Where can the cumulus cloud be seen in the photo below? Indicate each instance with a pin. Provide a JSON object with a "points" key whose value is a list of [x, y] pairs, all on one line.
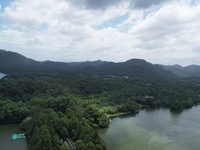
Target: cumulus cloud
{"points": [[96, 4], [146, 3], [172, 31], [66, 30]]}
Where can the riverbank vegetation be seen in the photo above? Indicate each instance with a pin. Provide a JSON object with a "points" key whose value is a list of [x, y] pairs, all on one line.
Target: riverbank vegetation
{"points": [[51, 108]]}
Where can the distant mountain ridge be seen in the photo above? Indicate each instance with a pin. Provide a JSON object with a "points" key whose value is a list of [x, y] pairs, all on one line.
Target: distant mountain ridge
{"points": [[12, 58], [87, 63], [14, 61], [138, 68], [188, 71]]}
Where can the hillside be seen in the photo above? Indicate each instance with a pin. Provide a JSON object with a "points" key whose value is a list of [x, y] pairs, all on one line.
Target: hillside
{"points": [[188, 71], [57, 100], [10, 61], [13, 62], [133, 68]]}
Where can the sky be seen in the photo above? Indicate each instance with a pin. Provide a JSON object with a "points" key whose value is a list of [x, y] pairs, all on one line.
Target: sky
{"points": [[159, 31]]}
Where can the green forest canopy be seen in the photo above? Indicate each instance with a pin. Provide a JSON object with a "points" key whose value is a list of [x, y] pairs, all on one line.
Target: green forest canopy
{"points": [[57, 107]]}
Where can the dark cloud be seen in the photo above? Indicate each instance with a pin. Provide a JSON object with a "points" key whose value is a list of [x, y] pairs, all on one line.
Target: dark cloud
{"points": [[96, 4], [146, 3], [104, 4]]}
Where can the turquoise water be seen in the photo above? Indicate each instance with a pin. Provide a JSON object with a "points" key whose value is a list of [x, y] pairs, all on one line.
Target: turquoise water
{"points": [[155, 130], [6, 143]]}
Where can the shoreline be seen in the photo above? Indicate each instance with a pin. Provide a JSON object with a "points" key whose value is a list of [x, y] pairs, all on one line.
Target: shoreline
{"points": [[121, 114]]}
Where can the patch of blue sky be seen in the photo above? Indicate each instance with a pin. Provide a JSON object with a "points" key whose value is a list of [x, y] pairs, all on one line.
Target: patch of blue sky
{"points": [[149, 12], [1, 27], [113, 22], [43, 27], [145, 15], [6, 25], [3, 24], [124, 27], [5, 3], [193, 2]]}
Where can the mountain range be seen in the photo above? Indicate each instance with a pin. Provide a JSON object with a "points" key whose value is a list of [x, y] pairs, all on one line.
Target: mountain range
{"points": [[191, 70], [11, 62]]}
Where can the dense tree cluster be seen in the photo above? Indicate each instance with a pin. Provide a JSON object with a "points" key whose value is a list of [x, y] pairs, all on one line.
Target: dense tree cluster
{"points": [[55, 108], [13, 112]]}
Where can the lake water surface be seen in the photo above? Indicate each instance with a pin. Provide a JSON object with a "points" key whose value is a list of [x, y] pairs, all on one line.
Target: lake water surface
{"points": [[157, 129], [2, 75], [6, 142]]}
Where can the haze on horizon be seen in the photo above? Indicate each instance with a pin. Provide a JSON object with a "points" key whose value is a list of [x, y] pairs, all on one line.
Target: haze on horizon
{"points": [[159, 31]]}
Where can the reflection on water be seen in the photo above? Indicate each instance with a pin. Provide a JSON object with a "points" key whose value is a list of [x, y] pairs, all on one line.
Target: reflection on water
{"points": [[155, 130]]}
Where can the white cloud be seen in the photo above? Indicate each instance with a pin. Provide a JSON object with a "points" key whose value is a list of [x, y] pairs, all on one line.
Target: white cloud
{"points": [[62, 31], [173, 30]]}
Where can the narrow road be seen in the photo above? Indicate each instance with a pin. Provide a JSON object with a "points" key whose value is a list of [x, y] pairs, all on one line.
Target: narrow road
{"points": [[70, 143]]}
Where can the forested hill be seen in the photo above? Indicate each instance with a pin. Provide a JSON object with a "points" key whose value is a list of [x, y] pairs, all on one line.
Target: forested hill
{"points": [[11, 62], [57, 100], [191, 70]]}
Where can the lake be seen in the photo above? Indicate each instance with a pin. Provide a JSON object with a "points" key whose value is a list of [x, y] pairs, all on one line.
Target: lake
{"points": [[157, 129], [2, 75], [6, 142]]}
